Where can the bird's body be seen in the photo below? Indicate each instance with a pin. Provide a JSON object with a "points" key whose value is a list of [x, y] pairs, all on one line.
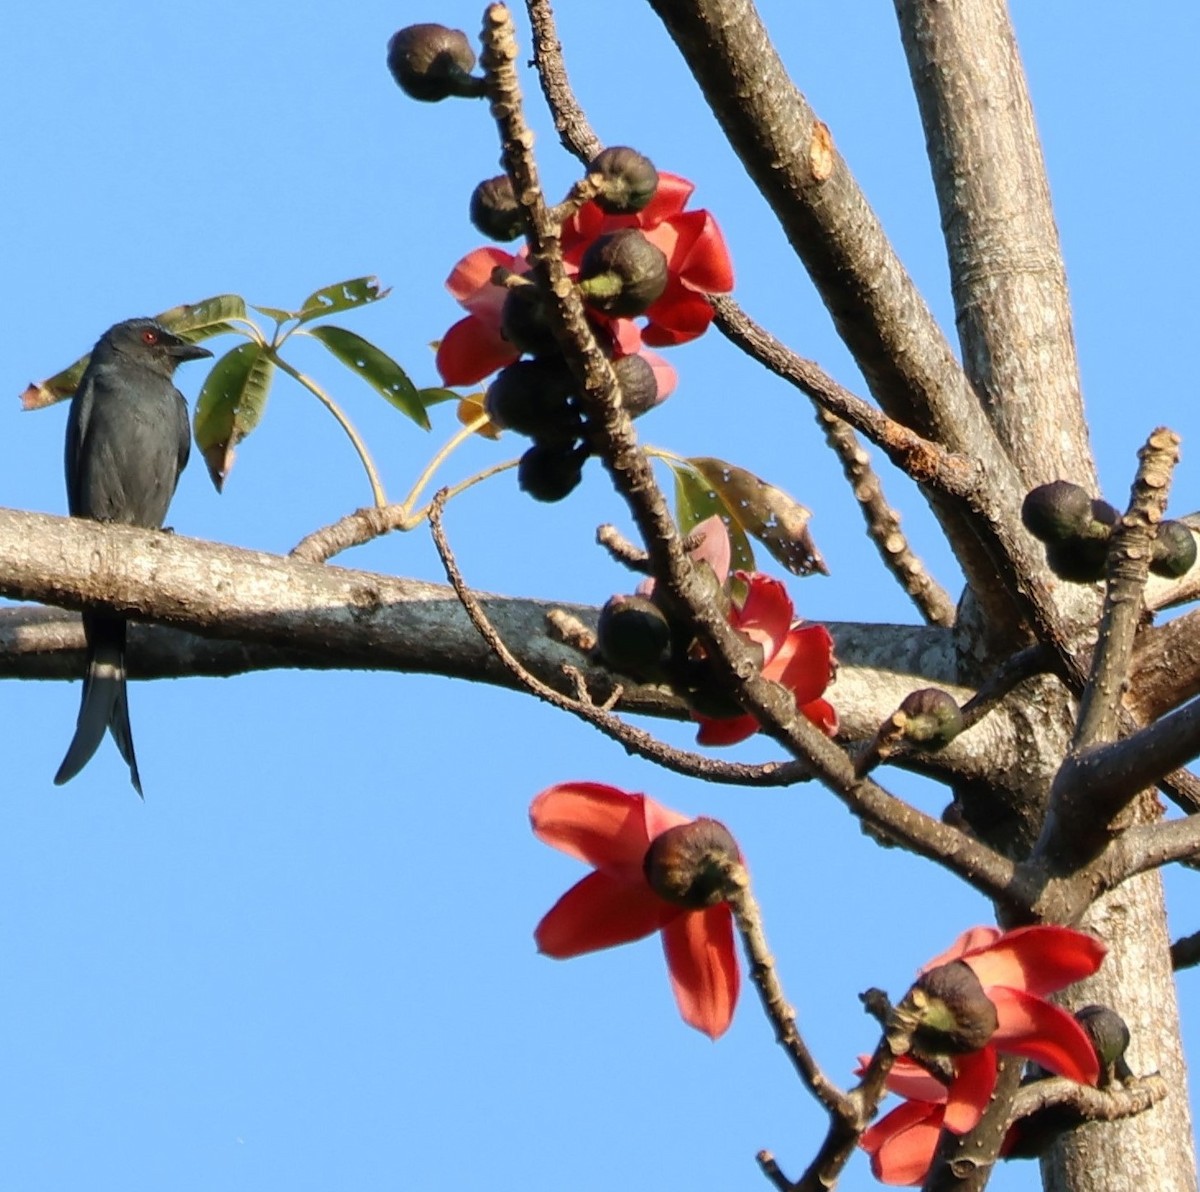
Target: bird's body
{"points": [[127, 442]]}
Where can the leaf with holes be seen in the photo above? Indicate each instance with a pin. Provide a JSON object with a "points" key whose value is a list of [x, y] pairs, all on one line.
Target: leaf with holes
{"points": [[695, 500], [194, 321], [375, 367], [231, 405], [344, 296], [776, 519]]}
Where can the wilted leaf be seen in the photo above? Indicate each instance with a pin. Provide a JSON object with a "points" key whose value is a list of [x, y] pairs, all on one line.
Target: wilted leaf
{"points": [[343, 296], [696, 499], [230, 406], [778, 521], [194, 321], [469, 409], [375, 367]]}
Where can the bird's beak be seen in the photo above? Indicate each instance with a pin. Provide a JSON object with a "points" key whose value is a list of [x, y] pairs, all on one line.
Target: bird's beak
{"points": [[182, 350]]}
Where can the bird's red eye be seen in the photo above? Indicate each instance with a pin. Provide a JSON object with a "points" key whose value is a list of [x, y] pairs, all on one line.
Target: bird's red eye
{"points": [[149, 337]]}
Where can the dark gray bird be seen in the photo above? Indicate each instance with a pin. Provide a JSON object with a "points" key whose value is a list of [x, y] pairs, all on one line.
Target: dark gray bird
{"points": [[127, 442]]}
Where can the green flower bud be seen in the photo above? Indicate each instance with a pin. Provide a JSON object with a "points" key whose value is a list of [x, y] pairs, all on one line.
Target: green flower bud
{"points": [[628, 180], [533, 397], [1174, 550], [523, 321], [639, 385], [622, 273], [1057, 511], [958, 1016], [932, 718]]}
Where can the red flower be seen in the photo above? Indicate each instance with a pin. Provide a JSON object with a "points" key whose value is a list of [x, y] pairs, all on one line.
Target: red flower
{"points": [[801, 659], [1016, 968], [697, 260], [474, 348], [611, 830]]}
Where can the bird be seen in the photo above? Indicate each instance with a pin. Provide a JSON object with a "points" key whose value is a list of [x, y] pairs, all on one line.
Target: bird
{"points": [[127, 442]]}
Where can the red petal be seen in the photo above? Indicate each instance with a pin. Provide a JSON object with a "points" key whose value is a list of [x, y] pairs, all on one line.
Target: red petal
{"points": [[971, 939], [1039, 960], [678, 317], [909, 1080], [599, 912], [695, 251], [974, 1080], [702, 961], [600, 825], [474, 271], [823, 714], [803, 663], [669, 199], [724, 730], [765, 614], [470, 351], [902, 1143], [1044, 1033]]}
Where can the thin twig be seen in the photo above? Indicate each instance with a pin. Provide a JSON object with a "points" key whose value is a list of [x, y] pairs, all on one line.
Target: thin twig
{"points": [[883, 523], [1085, 1103], [748, 918], [635, 740]]}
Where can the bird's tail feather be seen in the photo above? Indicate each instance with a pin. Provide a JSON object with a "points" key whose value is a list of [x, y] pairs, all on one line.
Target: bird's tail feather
{"points": [[104, 703]]}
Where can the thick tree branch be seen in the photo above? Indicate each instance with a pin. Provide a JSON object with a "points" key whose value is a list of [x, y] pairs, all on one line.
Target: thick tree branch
{"points": [[1006, 265]]}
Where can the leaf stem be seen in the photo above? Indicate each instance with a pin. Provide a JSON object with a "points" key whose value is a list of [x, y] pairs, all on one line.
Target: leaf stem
{"points": [[442, 455], [356, 440]]}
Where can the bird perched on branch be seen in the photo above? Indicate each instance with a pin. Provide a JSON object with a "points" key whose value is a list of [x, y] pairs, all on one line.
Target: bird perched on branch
{"points": [[127, 442]]}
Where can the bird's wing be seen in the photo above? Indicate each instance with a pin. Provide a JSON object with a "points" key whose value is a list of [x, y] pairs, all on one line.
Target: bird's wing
{"points": [[185, 433], [77, 429]]}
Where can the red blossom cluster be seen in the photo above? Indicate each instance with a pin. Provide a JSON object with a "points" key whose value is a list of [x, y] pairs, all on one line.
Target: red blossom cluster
{"points": [[698, 263]]}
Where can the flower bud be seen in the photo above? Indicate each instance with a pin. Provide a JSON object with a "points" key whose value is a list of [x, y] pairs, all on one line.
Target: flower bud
{"points": [[533, 397], [958, 1016], [627, 178], [1174, 550], [1057, 511], [494, 209], [1078, 560], [639, 385], [622, 273], [431, 62], [523, 321], [932, 718], [551, 471], [633, 636], [1108, 1033], [688, 864]]}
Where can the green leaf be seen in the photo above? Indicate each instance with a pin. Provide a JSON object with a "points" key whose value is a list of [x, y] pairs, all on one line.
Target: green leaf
{"points": [[696, 499], [202, 320], [194, 321], [230, 406], [273, 312], [375, 367], [772, 516], [435, 395], [343, 296]]}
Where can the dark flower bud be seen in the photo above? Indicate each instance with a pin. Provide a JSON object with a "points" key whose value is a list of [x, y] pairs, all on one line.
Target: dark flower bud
{"points": [[533, 397], [431, 62], [627, 178], [688, 864], [932, 718], [957, 1016], [622, 273], [1079, 560], [1174, 550], [1104, 517], [494, 209], [1057, 511], [639, 385], [523, 321], [633, 635], [1108, 1033], [551, 471]]}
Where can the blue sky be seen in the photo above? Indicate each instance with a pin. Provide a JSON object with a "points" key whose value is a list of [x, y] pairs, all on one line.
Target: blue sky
{"points": [[305, 961]]}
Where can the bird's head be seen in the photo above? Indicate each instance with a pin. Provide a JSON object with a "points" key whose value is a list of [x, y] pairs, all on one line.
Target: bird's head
{"points": [[151, 344]]}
